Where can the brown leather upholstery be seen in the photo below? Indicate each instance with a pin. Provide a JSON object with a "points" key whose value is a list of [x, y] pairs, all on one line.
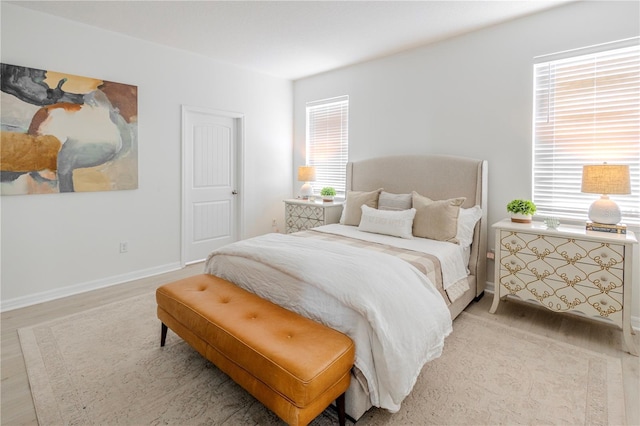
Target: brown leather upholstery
{"points": [[293, 365]]}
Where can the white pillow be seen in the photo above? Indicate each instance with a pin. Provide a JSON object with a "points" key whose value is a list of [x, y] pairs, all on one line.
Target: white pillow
{"points": [[387, 222], [389, 201], [467, 220]]}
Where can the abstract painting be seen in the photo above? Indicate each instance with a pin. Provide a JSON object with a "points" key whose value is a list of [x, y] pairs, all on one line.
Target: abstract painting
{"points": [[66, 133]]}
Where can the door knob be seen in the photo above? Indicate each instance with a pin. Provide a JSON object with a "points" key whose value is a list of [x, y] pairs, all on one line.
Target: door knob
{"points": [[234, 192]]}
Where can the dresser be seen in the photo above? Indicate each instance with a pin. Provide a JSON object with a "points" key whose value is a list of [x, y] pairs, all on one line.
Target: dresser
{"points": [[304, 214], [568, 270]]}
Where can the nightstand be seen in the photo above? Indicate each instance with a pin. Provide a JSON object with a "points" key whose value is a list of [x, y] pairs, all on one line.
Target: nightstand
{"points": [[568, 270], [304, 214]]}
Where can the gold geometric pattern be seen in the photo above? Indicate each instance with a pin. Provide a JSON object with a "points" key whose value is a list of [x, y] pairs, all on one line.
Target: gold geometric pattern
{"points": [[563, 274]]}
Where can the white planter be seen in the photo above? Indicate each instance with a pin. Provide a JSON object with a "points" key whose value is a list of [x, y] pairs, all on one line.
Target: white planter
{"points": [[521, 218]]}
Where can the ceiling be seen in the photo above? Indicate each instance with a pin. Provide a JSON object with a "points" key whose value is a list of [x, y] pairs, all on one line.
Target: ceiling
{"points": [[291, 39]]}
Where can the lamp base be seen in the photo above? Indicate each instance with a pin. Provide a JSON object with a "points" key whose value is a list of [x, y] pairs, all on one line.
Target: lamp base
{"points": [[306, 191], [605, 211]]}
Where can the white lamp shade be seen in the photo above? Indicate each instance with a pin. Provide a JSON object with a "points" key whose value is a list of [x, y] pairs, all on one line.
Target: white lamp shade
{"points": [[606, 179], [306, 173]]}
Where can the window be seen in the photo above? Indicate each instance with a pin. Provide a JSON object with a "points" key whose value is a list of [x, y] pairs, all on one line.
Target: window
{"points": [[327, 144], [586, 111]]}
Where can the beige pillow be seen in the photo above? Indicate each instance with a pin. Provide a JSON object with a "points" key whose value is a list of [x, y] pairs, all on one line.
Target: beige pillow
{"points": [[436, 220], [352, 212]]}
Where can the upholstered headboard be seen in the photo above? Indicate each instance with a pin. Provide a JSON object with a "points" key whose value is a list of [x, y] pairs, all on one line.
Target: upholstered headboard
{"points": [[438, 177]]}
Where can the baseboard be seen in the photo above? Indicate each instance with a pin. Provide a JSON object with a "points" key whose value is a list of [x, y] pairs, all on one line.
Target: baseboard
{"points": [[635, 320], [46, 296]]}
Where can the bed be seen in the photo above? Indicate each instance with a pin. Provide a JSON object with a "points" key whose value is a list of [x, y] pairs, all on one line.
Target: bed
{"points": [[394, 294]]}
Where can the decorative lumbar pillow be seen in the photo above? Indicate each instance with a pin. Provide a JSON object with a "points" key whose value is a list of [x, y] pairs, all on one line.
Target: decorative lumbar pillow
{"points": [[466, 224], [387, 222], [436, 220], [389, 201], [351, 212]]}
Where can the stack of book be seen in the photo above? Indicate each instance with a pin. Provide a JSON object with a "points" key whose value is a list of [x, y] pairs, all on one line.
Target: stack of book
{"points": [[619, 228]]}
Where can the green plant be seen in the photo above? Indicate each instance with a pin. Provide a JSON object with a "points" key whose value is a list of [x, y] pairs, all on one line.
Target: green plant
{"points": [[328, 191], [525, 207]]}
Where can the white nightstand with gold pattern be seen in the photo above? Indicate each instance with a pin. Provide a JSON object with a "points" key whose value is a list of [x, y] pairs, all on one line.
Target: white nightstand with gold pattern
{"points": [[303, 214], [568, 269]]}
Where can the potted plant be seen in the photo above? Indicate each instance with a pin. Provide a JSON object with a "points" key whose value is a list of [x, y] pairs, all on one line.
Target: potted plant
{"points": [[521, 210], [327, 193]]}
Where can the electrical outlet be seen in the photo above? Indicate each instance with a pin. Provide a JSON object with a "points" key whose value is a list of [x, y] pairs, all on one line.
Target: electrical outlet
{"points": [[124, 246], [491, 255]]}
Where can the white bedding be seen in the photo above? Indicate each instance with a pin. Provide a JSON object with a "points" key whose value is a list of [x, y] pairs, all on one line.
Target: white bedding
{"points": [[451, 256], [394, 314]]}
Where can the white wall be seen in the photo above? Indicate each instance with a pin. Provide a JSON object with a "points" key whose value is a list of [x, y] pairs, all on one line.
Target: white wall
{"points": [[470, 96], [53, 245]]}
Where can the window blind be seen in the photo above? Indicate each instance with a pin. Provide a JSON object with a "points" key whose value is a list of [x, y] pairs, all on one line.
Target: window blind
{"points": [[586, 111], [327, 143]]}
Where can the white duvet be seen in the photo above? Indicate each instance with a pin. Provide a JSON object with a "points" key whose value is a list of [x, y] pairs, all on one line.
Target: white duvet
{"points": [[451, 256], [395, 316]]}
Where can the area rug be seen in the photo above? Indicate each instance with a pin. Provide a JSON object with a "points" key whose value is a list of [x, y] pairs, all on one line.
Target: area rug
{"points": [[105, 366]]}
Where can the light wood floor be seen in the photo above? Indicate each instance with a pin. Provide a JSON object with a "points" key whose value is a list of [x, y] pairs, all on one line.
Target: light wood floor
{"points": [[17, 406]]}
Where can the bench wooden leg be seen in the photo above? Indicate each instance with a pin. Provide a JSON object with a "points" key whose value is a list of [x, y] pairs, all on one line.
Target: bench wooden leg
{"points": [[163, 335], [341, 410]]}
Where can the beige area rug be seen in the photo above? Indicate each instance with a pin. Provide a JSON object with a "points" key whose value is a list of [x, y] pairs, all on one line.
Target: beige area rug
{"points": [[105, 366]]}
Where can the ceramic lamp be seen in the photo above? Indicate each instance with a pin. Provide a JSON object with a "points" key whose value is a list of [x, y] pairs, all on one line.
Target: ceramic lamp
{"points": [[605, 179], [306, 174]]}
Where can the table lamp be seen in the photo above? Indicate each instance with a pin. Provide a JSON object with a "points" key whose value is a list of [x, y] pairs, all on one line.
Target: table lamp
{"points": [[306, 174], [605, 179]]}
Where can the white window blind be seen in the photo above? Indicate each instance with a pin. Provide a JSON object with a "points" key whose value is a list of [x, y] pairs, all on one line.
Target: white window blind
{"points": [[586, 111], [327, 143]]}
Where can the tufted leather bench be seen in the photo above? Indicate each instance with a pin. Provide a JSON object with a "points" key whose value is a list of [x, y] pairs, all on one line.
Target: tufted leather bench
{"points": [[294, 366]]}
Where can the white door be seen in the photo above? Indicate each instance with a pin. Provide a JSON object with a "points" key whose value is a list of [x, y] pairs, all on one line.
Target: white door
{"points": [[210, 192]]}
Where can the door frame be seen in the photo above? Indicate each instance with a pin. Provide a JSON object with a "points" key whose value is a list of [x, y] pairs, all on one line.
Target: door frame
{"points": [[238, 119]]}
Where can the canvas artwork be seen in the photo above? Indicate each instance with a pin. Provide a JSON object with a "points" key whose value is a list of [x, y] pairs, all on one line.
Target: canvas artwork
{"points": [[66, 133]]}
